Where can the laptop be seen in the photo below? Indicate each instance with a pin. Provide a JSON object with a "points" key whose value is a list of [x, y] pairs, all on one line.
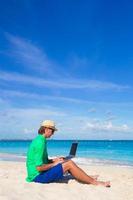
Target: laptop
{"points": [[72, 152]]}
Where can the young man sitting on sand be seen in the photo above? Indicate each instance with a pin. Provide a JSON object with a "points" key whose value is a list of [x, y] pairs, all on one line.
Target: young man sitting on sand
{"points": [[40, 169]]}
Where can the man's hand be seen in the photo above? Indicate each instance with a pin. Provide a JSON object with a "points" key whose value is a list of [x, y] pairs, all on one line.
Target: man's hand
{"points": [[54, 162], [58, 160]]}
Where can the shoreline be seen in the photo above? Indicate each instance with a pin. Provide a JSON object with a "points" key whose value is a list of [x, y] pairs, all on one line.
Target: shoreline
{"points": [[12, 157], [14, 186], [79, 160]]}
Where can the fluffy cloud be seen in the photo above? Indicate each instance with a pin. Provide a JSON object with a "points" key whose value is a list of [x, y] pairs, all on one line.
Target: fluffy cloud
{"points": [[33, 57], [29, 54], [107, 126], [60, 83], [24, 122]]}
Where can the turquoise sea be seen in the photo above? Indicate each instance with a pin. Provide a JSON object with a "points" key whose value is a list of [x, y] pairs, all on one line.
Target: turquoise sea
{"points": [[118, 152]]}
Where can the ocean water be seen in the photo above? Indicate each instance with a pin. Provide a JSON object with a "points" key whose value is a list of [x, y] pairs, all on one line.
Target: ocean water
{"points": [[118, 152]]}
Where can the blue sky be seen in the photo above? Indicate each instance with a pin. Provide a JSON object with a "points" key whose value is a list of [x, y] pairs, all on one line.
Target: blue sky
{"points": [[69, 61]]}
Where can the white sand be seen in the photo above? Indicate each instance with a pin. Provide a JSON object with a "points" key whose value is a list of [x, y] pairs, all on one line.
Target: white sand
{"points": [[14, 187]]}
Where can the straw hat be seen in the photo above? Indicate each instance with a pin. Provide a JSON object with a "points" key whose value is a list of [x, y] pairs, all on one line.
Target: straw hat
{"points": [[49, 124]]}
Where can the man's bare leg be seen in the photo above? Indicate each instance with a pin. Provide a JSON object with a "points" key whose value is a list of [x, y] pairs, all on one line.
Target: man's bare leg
{"points": [[80, 175]]}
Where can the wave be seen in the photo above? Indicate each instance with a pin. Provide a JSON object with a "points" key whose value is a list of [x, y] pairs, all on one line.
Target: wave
{"points": [[94, 161], [77, 160]]}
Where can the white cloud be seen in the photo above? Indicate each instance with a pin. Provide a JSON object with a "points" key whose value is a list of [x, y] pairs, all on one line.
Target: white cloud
{"points": [[24, 122], [30, 55], [60, 83], [34, 58], [7, 94], [107, 127], [23, 113]]}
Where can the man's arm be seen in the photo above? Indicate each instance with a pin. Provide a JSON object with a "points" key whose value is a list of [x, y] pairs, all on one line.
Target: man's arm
{"points": [[45, 167]]}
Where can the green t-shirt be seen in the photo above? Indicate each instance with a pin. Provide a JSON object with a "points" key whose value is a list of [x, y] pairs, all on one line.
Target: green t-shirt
{"points": [[37, 155]]}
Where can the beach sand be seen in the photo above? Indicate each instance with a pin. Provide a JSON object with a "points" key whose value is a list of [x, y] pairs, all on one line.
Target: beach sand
{"points": [[13, 185]]}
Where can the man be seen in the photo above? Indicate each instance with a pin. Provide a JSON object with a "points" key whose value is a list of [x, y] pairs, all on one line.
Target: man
{"points": [[43, 170]]}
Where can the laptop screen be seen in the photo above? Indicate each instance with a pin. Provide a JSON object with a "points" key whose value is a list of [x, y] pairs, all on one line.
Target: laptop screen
{"points": [[73, 149]]}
